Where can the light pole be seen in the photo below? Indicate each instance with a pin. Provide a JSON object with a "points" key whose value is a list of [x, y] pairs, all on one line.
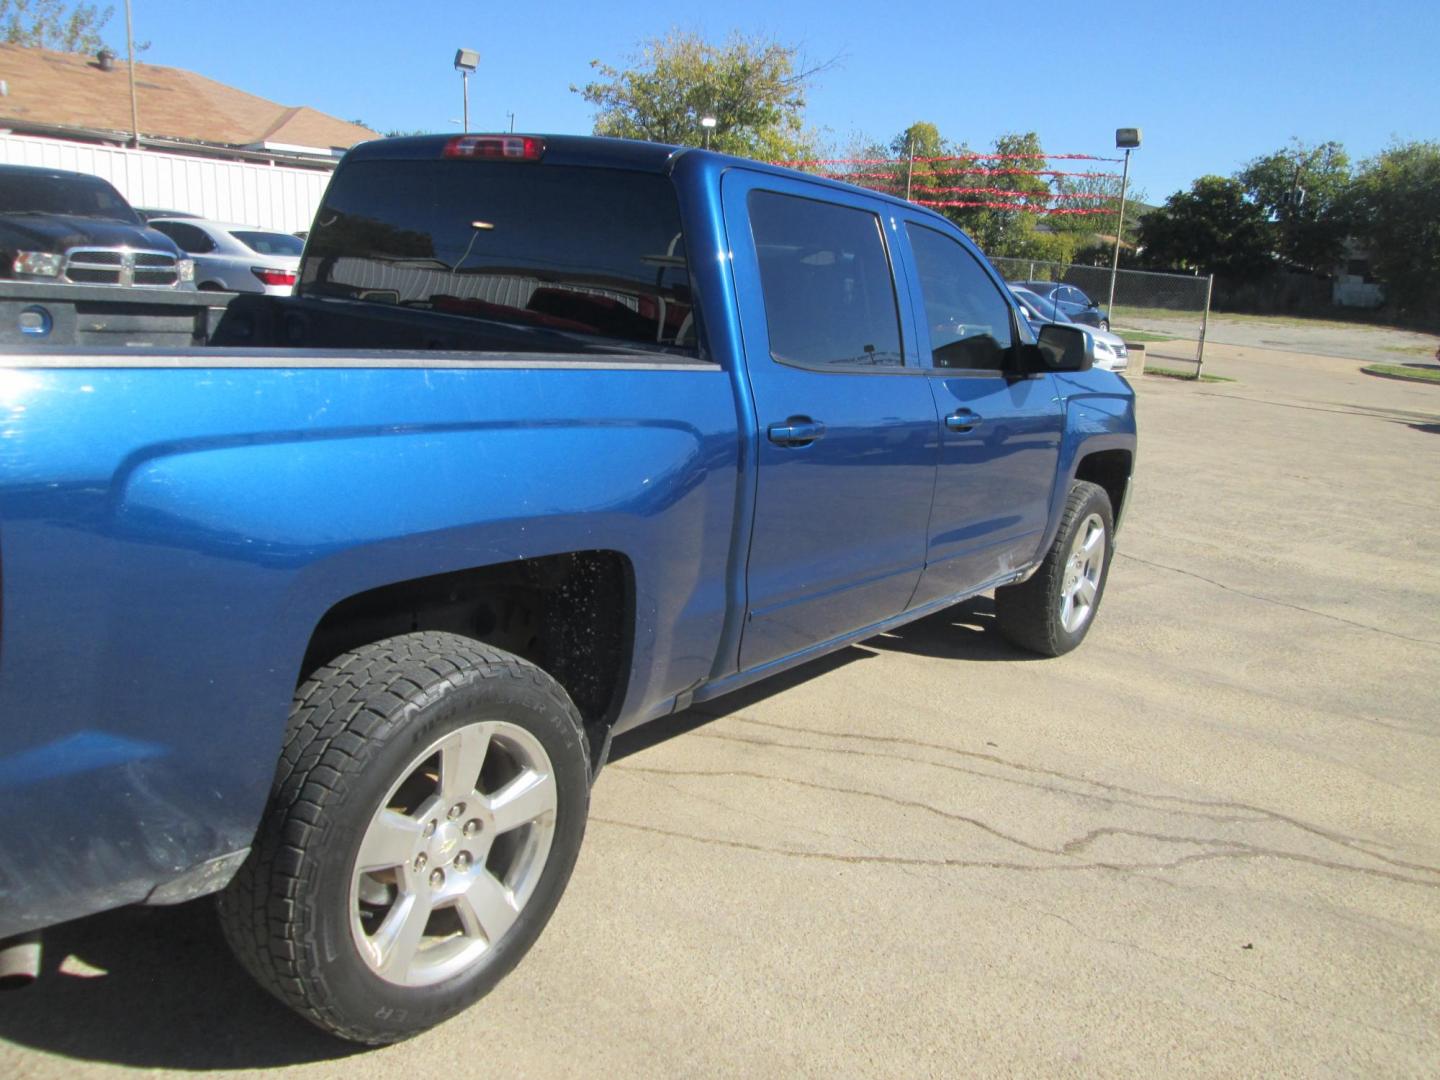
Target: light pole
{"points": [[1126, 139], [708, 123], [466, 61]]}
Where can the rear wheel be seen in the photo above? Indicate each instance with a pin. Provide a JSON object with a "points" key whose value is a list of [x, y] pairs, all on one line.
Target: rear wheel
{"points": [[1052, 612], [429, 807], [1104, 324]]}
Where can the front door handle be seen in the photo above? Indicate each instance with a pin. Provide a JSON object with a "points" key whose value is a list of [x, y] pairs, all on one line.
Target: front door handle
{"points": [[797, 431], [962, 420]]}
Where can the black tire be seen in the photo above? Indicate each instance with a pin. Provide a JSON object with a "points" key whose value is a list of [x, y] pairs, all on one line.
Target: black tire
{"points": [[1030, 613], [1104, 324], [356, 728]]}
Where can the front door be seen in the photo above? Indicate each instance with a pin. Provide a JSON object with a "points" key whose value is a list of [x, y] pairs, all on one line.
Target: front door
{"points": [[1000, 435], [848, 433]]}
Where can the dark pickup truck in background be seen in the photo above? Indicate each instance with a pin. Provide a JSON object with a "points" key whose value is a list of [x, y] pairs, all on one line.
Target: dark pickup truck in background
{"points": [[69, 228], [333, 603]]}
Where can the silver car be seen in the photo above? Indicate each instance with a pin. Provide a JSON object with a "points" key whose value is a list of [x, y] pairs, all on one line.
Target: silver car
{"points": [[1106, 350], [236, 258]]}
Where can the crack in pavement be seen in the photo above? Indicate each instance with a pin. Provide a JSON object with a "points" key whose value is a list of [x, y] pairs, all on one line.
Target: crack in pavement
{"points": [[1280, 603], [1070, 848], [1395, 416], [1203, 806]]}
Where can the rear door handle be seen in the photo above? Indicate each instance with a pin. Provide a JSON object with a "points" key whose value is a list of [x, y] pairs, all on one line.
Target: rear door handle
{"points": [[797, 431], [962, 420]]}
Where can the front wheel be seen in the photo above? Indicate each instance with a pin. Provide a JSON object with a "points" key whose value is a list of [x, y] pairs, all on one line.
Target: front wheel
{"points": [[425, 818], [1105, 324], [1051, 612]]}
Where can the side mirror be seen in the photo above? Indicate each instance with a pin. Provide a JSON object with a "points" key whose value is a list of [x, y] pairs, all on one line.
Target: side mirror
{"points": [[1092, 305], [1061, 348]]}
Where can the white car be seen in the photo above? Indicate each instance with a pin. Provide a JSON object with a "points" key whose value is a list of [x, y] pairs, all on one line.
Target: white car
{"points": [[236, 258], [1106, 350]]}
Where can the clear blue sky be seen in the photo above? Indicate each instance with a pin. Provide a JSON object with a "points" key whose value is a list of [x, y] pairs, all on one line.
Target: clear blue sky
{"points": [[1212, 84]]}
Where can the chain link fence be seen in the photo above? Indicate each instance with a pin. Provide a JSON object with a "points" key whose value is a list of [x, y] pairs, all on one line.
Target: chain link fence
{"points": [[1167, 313]]}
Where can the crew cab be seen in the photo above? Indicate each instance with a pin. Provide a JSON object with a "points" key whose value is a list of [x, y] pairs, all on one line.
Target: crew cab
{"points": [[333, 603], [72, 228]]}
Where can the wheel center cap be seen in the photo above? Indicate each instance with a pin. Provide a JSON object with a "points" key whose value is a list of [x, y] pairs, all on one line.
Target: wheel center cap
{"points": [[445, 843]]}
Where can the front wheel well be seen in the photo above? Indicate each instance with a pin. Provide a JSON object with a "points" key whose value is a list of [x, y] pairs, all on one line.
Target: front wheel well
{"points": [[1110, 469], [572, 615]]}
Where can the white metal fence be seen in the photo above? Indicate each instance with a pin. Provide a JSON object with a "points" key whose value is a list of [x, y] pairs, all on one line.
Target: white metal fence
{"points": [[269, 196], [1168, 313]]}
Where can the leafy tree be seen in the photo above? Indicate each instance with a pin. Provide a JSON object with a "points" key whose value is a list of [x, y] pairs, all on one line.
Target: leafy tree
{"points": [[1303, 189], [1008, 233], [753, 87], [1396, 207], [54, 24], [1214, 228]]}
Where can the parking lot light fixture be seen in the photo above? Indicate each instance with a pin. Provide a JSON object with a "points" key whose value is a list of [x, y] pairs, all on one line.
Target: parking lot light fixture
{"points": [[466, 61], [708, 123], [1126, 139]]}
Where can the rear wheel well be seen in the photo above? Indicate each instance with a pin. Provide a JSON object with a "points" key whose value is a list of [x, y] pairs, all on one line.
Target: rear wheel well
{"points": [[571, 615], [1110, 469]]}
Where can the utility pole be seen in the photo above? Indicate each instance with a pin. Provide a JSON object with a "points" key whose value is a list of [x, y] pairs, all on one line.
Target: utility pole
{"points": [[134, 108]]}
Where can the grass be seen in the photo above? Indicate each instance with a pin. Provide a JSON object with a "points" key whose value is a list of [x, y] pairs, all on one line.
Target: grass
{"points": [[1397, 371], [1171, 373], [1409, 350], [1144, 335], [1124, 313]]}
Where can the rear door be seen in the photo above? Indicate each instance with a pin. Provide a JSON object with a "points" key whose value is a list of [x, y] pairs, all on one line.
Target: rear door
{"points": [[848, 433], [1000, 435]]}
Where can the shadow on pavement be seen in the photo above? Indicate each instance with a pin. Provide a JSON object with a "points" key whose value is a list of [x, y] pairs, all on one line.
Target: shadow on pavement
{"points": [[964, 632], [156, 988]]}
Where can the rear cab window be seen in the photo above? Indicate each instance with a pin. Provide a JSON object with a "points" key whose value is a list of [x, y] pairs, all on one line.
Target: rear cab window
{"points": [[595, 252]]}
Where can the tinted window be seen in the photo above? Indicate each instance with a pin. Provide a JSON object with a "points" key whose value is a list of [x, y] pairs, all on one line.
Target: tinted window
{"points": [[589, 251], [825, 275], [191, 240], [969, 319], [63, 193], [270, 243]]}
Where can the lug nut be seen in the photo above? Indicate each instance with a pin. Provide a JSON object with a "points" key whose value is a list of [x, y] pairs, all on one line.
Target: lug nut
{"points": [[472, 826], [420, 861], [429, 828], [437, 878], [462, 861], [456, 811]]}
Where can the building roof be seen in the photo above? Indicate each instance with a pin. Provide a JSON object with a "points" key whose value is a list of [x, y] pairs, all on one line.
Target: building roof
{"points": [[55, 89]]}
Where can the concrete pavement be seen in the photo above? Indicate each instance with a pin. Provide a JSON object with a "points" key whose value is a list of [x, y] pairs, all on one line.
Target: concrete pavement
{"points": [[1207, 843]]}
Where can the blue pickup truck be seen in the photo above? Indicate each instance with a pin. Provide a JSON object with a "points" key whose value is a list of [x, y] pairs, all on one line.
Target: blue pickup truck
{"points": [[331, 604]]}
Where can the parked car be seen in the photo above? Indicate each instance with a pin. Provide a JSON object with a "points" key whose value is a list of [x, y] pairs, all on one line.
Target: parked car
{"points": [[75, 229], [1071, 300], [236, 258], [338, 608], [1107, 350]]}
